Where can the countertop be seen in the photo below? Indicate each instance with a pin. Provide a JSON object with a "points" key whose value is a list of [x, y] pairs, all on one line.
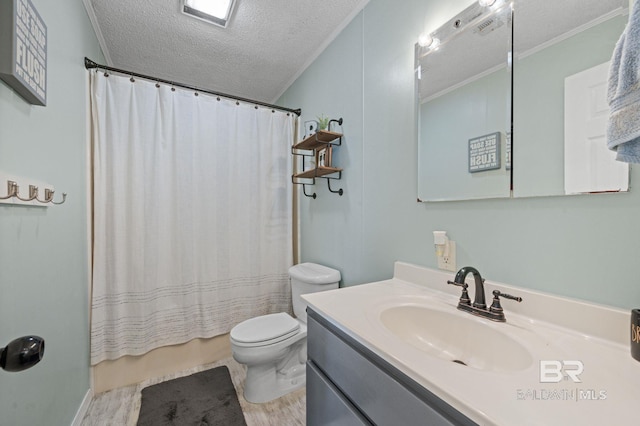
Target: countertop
{"points": [[551, 328]]}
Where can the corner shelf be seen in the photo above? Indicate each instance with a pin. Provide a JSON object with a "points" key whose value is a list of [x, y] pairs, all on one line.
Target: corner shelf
{"points": [[311, 146]]}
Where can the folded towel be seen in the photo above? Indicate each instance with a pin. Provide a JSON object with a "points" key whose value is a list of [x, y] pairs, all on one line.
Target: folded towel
{"points": [[623, 127]]}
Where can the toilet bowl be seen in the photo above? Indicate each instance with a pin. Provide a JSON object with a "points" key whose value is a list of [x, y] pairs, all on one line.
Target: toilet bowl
{"points": [[274, 346]]}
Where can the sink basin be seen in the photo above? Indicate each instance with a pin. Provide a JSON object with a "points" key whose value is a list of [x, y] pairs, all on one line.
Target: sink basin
{"points": [[453, 337]]}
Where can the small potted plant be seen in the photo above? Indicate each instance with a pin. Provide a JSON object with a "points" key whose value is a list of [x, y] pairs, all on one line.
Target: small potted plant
{"points": [[323, 122]]}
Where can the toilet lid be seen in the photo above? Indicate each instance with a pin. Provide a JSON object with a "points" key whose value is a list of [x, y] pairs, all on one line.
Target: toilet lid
{"points": [[264, 329]]}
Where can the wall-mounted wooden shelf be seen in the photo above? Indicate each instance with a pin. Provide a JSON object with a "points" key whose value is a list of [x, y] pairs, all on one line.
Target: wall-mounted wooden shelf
{"points": [[321, 143], [319, 140], [317, 172]]}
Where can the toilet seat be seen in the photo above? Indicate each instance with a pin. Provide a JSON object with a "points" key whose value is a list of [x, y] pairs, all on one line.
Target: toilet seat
{"points": [[265, 330]]}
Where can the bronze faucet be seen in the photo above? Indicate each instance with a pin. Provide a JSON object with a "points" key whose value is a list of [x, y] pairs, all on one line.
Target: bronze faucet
{"points": [[479, 306]]}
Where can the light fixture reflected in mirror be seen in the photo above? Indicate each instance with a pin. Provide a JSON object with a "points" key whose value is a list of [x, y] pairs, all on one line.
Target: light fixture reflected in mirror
{"points": [[22, 353], [486, 3], [425, 40], [428, 41]]}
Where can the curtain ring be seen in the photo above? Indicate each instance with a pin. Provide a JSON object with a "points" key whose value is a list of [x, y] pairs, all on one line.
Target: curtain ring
{"points": [[157, 85], [195, 93], [106, 74], [218, 98], [133, 80]]}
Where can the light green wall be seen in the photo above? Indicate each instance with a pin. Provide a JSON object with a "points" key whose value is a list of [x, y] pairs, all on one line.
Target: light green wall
{"points": [[333, 87], [43, 252], [581, 246]]}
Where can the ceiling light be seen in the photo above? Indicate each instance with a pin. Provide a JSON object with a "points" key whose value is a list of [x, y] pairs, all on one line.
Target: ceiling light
{"points": [[486, 2], [217, 12]]}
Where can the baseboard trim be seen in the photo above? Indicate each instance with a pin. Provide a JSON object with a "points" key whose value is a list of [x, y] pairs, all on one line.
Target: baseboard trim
{"points": [[82, 410]]}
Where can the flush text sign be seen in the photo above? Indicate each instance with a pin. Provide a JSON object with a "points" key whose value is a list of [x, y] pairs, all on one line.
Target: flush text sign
{"points": [[23, 50], [484, 153]]}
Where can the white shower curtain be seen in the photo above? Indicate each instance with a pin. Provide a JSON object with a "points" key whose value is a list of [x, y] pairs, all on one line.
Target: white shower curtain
{"points": [[192, 215]]}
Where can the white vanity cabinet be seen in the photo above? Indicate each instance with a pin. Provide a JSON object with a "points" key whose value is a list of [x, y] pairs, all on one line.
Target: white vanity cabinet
{"points": [[348, 384]]}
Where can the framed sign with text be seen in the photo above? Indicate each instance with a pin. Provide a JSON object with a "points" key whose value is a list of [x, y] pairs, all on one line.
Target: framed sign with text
{"points": [[484, 153], [23, 50]]}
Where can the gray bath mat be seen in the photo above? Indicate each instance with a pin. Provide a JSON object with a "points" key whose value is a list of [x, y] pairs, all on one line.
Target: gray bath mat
{"points": [[205, 398]]}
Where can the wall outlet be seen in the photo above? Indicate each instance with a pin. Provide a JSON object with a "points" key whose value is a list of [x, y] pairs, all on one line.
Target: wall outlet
{"points": [[448, 262]]}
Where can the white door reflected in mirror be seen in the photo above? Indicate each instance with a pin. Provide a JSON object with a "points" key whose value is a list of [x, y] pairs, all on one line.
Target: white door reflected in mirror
{"points": [[588, 165]]}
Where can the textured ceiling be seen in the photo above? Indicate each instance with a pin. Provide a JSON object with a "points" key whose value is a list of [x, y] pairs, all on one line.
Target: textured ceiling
{"points": [[266, 45]]}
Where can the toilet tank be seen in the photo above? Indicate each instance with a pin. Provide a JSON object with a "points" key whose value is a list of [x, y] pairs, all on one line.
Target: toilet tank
{"points": [[310, 278]]}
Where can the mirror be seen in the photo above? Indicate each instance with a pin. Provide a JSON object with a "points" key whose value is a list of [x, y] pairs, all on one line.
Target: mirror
{"points": [[464, 90], [562, 51], [464, 94]]}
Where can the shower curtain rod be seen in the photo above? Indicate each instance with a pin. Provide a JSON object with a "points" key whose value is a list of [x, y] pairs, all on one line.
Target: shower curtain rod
{"points": [[89, 64]]}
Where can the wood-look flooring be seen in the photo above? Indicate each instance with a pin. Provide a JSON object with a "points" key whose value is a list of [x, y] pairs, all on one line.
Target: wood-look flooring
{"points": [[120, 407]]}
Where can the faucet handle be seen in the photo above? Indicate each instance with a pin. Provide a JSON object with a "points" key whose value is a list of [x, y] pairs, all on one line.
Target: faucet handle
{"points": [[496, 308], [497, 293], [464, 297]]}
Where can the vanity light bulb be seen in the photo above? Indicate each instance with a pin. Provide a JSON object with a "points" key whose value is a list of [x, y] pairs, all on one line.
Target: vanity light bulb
{"points": [[486, 3], [425, 40]]}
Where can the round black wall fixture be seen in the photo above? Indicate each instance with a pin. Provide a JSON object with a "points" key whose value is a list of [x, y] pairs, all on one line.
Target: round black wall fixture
{"points": [[22, 353]]}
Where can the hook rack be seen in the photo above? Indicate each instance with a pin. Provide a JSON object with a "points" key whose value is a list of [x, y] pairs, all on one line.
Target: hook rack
{"points": [[14, 197], [314, 144]]}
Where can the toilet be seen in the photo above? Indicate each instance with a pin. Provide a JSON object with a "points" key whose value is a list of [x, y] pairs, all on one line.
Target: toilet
{"points": [[274, 346]]}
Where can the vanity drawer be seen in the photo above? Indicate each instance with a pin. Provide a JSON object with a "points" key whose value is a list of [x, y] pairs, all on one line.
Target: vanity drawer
{"points": [[326, 406], [381, 392]]}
